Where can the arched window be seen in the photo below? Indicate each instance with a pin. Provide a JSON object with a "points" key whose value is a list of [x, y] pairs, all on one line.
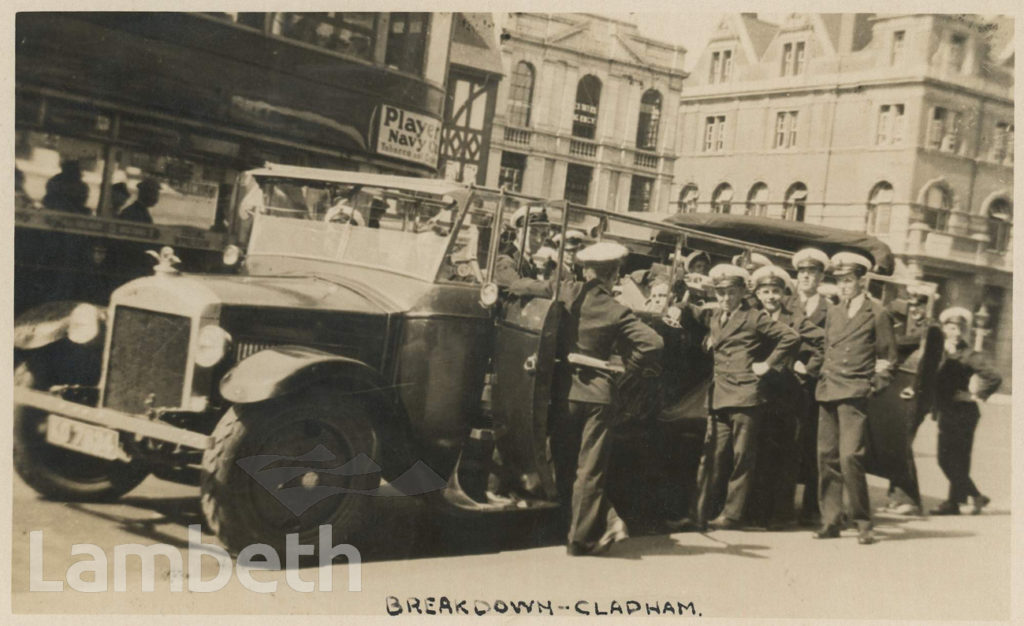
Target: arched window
{"points": [[588, 99], [721, 200], [520, 95], [650, 117], [757, 199], [879, 209], [688, 199], [796, 202], [1000, 221], [938, 202]]}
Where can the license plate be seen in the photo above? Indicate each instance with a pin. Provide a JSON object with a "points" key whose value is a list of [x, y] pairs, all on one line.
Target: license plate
{"points": [[85, 438]]}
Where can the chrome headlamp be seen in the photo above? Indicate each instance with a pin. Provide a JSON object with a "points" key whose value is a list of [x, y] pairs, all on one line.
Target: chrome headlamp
{"points": [[211, 345]]}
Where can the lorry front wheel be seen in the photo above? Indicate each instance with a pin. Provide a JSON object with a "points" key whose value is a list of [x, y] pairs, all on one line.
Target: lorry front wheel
{"points": [[58, 473], [288, 466]]}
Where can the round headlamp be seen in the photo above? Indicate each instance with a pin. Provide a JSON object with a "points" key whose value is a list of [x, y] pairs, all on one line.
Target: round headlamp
{"points": [[84, 323], [211, 345], [488, 295], [232, 255]]}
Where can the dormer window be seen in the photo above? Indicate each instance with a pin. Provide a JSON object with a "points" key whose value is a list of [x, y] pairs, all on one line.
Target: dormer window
{"points": [[957, 48], [794, 58], [721, 66]]}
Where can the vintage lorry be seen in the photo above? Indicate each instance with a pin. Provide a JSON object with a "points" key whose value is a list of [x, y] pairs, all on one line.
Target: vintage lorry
{"points": [[356, 346]]}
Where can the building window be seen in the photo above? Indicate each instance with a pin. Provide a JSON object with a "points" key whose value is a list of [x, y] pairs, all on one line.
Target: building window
{"points": [[407, 42], [757, 200], [944, 130], [1002, 143], [577, 183], [785, 129], [957, 46], [640, 193], [716, 64], [513, 166], [349, 33], [890, 125], [897, 47], [879, 209], [650, 116], [796, 202], [726, 65], [520, 95], [938, 203], [714, 133], [721, 199], [1000, 221], [794, 59], [688, 199], [588, 99]]}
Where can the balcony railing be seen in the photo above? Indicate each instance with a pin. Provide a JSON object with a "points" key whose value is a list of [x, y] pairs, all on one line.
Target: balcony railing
{"points": [[521, 136], [643, 159], [582, 148]]}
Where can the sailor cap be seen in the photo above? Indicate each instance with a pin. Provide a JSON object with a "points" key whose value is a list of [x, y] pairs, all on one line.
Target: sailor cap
{"points": [[536, 212], [602, 252], [849, 262], [810, 257], [956, 314], [771, 275], [727, 275], [574, 239], [755, 261]]}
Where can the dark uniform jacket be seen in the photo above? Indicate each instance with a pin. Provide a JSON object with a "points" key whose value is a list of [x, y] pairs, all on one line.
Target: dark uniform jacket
{"points": [[909, 334], [606, 327], [748, 336], [817, 316], [852, 347], [781, 383], [135, 212], [954, 374]]}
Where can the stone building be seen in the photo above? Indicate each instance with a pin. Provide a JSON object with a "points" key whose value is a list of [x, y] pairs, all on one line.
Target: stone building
{"points": [[587, 112], [897, 125]]}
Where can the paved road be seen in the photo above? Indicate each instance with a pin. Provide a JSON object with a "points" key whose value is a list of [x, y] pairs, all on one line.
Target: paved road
{"points": [[948, 568]]}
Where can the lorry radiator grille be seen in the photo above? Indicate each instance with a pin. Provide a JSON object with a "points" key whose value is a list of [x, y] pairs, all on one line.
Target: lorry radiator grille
{"points": [[245, 348], [148, 355]]}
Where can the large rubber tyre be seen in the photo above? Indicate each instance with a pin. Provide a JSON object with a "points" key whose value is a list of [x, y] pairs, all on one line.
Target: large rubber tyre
{"points": [[58, 473], [241, 511]]}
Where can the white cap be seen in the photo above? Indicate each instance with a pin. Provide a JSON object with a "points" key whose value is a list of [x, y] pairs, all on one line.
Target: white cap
{"points": [[574, 239], [756, 260], [602, 252], [545, 253], [957, 314], [537, 214], [810, 257], [771, 275], [725, 275], [693, 256], [847, 262]]}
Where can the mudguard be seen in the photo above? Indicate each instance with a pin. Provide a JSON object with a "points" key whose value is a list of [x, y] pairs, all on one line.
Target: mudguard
{"points": [[283, 370]]}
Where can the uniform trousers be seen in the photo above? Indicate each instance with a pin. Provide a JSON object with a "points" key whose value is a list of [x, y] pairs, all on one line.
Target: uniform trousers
{"points": [[957, 422], [775, 474], [904, 488], [727, 464], [842, 447], [807, 444], [580, 448]]}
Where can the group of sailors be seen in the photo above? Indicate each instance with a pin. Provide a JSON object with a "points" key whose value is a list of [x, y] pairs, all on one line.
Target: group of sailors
{"points": [[793, 372]]}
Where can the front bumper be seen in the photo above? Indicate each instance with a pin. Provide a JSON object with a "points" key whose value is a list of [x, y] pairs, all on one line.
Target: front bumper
{"points": [[125, 422]]}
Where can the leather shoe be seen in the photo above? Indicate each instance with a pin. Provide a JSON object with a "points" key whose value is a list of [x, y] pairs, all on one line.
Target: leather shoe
{"points": [[979, 502], [684, 525], [724, 523], [865, 536], [946, 508], [830, 531]]}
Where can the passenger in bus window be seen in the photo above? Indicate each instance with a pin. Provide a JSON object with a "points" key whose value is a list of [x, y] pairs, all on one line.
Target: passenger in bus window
{"points": [[67, 191], [119, 196], [138, 211]]}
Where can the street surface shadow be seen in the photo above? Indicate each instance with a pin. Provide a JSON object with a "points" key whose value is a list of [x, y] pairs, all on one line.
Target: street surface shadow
{"points": [[179, 511], [664, 545]]}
